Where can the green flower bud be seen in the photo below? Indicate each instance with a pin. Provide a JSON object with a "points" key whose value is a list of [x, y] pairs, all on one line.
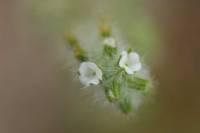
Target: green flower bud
{"points": [[72, 40], [105, 31], [109, 95], [116, 90], [110, 51], [80, 54], [138, 84], [113, 93], [125, 105], [129, 50]]}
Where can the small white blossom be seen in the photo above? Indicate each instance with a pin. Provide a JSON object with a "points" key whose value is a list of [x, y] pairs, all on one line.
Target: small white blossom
{"points": [[130, 62], [89, 73], [110, 42]]}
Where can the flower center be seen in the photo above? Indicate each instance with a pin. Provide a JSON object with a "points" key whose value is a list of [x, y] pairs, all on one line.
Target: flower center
{"points": [[91, 73], [128, 64]]}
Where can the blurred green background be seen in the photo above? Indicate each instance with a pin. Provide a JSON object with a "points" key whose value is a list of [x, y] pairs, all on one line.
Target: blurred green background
{"points": [[39, 89]]}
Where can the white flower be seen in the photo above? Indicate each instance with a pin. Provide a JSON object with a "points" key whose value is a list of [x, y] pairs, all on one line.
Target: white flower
{"points": [[110, 42], [130, 62], [89, 73]]}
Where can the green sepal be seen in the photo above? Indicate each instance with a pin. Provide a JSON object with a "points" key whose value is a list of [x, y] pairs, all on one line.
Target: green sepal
{"points": [[110, 51], [114, 92], [138, 84], [129, 50], [109, 95]]}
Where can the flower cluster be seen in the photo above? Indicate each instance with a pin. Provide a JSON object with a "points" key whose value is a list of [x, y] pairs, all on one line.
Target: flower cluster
{"points": [[118, 72]]}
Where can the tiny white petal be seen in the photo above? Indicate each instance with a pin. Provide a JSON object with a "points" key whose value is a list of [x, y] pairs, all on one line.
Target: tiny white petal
{"points": [[110, 42], [130, 62], [89, 73], [124, 58]]}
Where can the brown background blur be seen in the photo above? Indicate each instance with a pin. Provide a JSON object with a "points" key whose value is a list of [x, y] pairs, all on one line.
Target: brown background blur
{"points": [[35, 95]]}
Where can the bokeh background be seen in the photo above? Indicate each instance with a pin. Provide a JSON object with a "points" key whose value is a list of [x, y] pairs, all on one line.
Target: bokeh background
{"points": [[38, 90]]}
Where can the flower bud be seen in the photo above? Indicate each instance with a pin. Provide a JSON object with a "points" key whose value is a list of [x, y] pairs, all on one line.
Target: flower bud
{"points": [[125, 105], [110, 48], [105, 31], [80, 54], [71, 39]]}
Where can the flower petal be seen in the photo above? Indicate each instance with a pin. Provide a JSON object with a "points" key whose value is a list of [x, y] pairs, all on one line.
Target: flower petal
{"points": [[89, 73], [134, 57], [110, 42], [123, 60], [130, 62]]}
